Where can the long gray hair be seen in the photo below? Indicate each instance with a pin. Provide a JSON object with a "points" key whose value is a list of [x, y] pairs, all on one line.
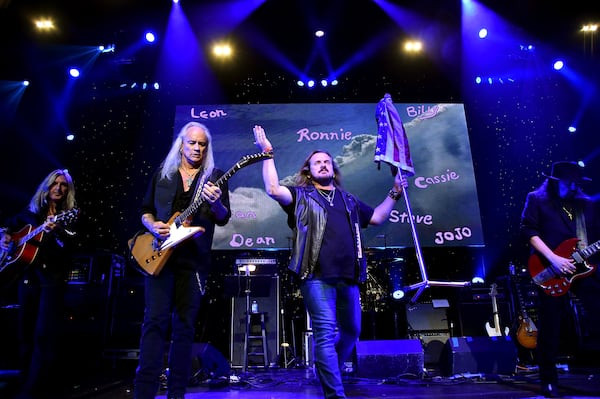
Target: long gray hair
{"points": [[172, 161], [39, 201]]}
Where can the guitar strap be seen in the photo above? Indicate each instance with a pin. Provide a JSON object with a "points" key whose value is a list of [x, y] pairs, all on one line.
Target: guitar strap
{"points": [[201, 184], [581, 229]]}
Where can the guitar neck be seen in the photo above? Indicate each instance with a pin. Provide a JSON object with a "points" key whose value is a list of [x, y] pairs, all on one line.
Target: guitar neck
{"points": [[589, 250], [244, 161], [193, 208], [31, 234], [56, 218]]}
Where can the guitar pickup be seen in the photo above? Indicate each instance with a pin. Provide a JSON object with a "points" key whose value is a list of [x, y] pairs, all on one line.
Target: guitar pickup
{"points": [[577, 257]]}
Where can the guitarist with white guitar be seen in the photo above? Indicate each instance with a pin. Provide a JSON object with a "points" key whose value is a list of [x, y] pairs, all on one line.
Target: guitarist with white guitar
{"points": [[172, 296], [36, 251], [558, 221]]}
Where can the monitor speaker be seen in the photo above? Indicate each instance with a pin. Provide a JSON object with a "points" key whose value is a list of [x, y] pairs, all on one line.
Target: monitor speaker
{"points": [[389, 358], [487, 355]]}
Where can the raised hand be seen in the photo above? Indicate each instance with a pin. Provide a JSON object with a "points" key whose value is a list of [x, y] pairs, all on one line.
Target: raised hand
{"points": [[260, 139]]}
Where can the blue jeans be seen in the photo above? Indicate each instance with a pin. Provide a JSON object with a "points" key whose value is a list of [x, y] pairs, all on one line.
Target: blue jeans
{"points": [[331, 305], [172, 302]]}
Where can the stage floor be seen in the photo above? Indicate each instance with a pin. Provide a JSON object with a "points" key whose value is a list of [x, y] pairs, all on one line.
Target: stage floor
{"points": [[292, 383]]}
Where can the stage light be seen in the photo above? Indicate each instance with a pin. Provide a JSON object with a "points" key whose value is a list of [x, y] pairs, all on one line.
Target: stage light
{"points": [[44, 25], [74, 72], [150, 37], [156, 86], [324, 82], [319, 33], [398, 294], [25, 83], [558, 65], [483, 33], [311, 83], [477, 280], [300, 83], [70, 137], [572, 129], [397, 279], [334, 82], [478, 79], [222, 50], [107, 49], [413, 46]]}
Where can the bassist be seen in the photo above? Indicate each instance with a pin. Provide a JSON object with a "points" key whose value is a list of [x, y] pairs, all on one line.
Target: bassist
{"points": [[556, 211], [41, 282], [172, 298]]}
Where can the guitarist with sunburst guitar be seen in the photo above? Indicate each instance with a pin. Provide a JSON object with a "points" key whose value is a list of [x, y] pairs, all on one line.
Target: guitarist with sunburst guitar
{"points": [[558, 221], [36, 253]]}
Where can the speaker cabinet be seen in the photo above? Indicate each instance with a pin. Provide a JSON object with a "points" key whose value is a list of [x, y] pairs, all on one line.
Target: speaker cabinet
{"points": [[488, 355], [389, 358], [207, 363], [265, 291]]}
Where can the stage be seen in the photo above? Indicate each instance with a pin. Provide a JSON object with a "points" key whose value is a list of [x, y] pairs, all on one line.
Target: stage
{"points": [[301, 383]]}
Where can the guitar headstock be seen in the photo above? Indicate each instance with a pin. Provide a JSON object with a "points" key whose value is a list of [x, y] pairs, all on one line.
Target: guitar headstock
{"points": [[68, 217], [494, 290], [253, 158]]}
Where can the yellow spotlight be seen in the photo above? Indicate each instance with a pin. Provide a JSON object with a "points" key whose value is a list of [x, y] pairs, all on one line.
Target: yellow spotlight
{"points": [[222, 50], [44, 24], [413, 46]]}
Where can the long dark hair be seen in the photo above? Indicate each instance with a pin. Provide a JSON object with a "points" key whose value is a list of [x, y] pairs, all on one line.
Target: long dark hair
{"points": [[304, 178]]}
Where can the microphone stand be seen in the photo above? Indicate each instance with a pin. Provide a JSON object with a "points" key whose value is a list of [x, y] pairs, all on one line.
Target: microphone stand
{"points": [[247, 292]]}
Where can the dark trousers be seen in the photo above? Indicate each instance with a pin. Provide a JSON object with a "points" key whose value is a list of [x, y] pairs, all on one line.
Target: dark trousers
{"points": [[172, 302]]}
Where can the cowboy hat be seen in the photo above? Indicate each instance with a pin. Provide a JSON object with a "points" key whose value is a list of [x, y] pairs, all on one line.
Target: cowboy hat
{"points": [[568, 171]]}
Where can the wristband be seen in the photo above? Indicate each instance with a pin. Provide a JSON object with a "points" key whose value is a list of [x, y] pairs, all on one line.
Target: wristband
{"points": [[395, 195]]}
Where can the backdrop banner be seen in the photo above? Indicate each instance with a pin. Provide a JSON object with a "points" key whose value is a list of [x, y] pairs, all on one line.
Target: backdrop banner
{"points": [[443, 190]]}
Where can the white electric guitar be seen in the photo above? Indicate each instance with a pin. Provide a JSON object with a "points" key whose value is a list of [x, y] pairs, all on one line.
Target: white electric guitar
{"points": [[495, 331], [151, 254]]}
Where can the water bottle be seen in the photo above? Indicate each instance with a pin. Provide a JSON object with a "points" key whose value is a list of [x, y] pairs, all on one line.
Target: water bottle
{"points": [[254, 308]]}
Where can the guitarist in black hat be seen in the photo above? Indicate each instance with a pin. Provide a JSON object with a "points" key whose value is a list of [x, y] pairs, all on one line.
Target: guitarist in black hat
{"points": [[560, 221]]}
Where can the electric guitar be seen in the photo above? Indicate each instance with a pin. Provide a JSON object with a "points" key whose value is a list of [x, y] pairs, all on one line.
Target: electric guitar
{"points": [[558, 284], [526, 331], [495, 331], [151, 254], [25, 244]]}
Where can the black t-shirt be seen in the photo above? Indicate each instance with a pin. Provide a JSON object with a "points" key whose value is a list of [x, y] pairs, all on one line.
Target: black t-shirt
{"points": [[337, 257]]}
